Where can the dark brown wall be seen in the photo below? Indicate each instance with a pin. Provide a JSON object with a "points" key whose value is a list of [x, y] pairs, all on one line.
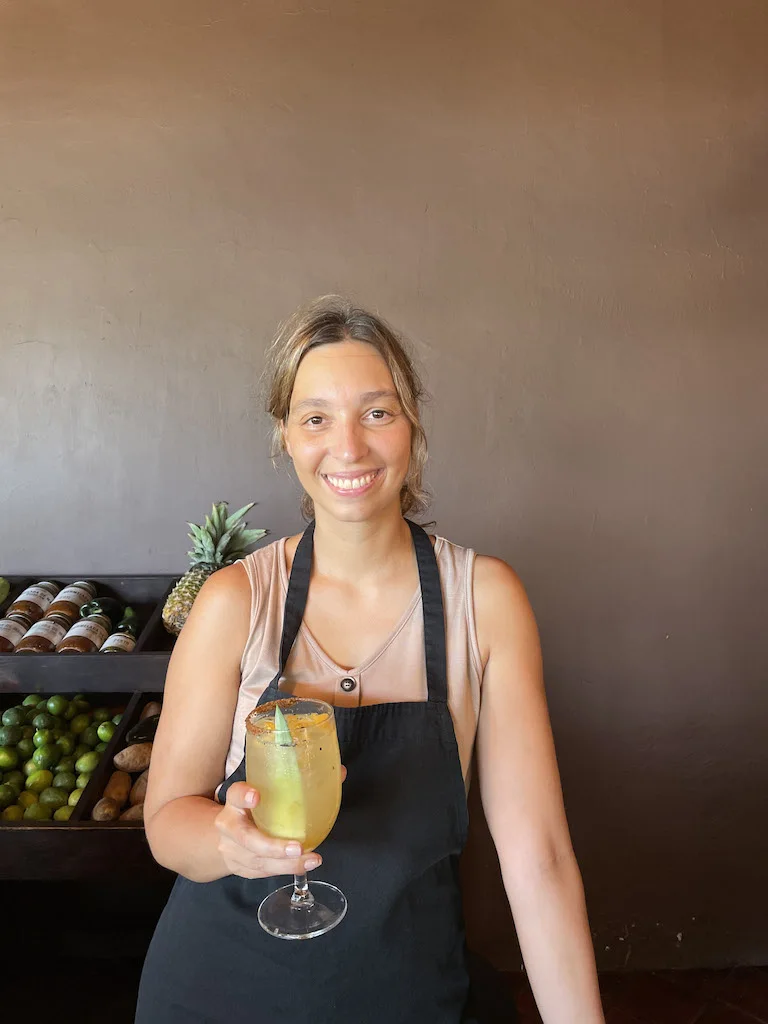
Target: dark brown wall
{"points": [[565, 206]]}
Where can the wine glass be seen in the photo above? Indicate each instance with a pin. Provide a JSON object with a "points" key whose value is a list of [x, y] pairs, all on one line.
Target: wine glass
{"points": [[292, 759]]}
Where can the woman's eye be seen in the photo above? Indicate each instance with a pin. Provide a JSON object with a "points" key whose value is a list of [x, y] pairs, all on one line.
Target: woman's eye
{"points": [[314, 421], [380, 414]]}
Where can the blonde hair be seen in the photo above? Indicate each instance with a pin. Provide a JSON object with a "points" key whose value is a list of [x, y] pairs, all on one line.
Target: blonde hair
{"points": [[325, 321]]}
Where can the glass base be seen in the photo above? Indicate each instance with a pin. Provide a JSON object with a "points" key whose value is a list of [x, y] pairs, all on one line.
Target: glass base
{"points": [[286, 918]]}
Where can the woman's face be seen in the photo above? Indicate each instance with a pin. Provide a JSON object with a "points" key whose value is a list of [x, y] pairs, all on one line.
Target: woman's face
{"points": [[347, 435]]}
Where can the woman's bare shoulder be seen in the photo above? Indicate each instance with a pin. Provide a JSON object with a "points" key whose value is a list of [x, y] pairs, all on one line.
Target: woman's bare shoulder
{"points": [[502, 608]]}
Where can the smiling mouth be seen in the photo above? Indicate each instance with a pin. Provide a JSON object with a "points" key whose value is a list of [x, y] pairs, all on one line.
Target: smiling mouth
{"points": [[351, 485]]}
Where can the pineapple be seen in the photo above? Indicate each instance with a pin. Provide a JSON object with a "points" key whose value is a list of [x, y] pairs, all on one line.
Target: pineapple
{"points": [[220, 542]]}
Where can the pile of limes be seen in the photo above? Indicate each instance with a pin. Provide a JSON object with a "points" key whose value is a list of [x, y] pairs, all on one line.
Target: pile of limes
{"points": [[49, 746]]}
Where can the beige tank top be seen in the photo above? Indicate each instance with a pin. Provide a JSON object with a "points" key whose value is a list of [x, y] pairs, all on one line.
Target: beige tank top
{"points": [[395, 672]]}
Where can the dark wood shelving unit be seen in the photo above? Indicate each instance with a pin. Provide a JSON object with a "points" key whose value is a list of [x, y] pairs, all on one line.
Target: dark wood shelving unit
{"points": [[81, 848]]}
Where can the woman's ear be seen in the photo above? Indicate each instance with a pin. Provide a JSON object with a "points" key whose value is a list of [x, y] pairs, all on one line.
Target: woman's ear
{"points": [[284, 435]]}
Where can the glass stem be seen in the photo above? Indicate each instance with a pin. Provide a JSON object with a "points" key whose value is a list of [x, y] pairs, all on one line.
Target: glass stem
{"points": [[302, 898]]}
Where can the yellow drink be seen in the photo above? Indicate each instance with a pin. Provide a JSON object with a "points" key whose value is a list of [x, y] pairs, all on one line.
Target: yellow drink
{"points": [[292, 759]]}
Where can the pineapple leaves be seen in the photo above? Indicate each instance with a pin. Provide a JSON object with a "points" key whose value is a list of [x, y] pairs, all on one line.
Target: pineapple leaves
{"points": [[251, 536], [223, 539], [235, 518]]}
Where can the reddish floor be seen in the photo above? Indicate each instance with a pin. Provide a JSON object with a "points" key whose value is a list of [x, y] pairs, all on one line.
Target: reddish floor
{"points": [[739, 996]]}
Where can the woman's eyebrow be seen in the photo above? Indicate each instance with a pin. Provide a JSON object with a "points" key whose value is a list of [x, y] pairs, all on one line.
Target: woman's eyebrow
{"points": [[367, 396]]}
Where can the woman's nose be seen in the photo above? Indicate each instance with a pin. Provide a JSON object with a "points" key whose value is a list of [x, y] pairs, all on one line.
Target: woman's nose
{"points": [[349, 443]]}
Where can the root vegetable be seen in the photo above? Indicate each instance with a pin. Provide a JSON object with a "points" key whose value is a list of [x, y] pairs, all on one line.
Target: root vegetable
{"points": [[152, 708], [139, 790], [105, 810], [134, 758], [135, 813], [118, 787]]}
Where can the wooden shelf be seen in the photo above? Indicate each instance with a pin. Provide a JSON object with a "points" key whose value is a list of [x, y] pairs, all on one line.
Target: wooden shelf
{"points": [[143, 669], [80, 848]]}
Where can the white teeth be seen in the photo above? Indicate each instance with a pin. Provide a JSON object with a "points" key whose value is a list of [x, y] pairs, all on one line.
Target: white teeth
{"points": [[346, 484]]}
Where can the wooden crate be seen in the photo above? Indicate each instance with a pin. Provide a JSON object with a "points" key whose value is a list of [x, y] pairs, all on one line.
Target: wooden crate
{"points": [[81, 848]]}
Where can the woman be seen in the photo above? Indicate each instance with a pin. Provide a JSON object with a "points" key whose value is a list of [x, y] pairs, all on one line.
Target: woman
{"points": [[422, 647]]}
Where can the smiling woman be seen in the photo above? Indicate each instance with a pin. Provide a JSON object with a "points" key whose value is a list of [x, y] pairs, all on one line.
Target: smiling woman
{"points": [[426, 653], [319, 329]]}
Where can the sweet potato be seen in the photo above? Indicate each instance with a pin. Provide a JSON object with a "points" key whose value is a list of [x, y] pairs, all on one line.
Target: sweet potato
{"points": [[139, 790], [135, 813], [152, 708], [105, 810], [134, 758], [118, 787]]}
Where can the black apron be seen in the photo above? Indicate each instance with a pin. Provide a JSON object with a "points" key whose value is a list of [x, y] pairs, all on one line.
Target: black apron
{"points": [[398, 957]]}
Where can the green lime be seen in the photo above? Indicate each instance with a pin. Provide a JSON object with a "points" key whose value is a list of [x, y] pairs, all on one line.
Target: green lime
{"points": [[106, 731], [87, 762], [8, 758], [90, 736], [81, 702], [27, 798], [17, 787], [14, 716], [38, 812], [25, 748], [47, 756], [118, 719], [27, 732], [57, 705], [43, 736], [79, 723], [54, 797], [64, 780], [10, 778], [72, 710], [63, 813], [31, 715], [32, 700], [66, 764], [80, 749], [101, 715], [12, 813], [39, 781], [57, 734], [44, 721], [29, 767], [66, 743], [9, 735], [100, 748], [8, 795], [74, 796], [82, 780]]}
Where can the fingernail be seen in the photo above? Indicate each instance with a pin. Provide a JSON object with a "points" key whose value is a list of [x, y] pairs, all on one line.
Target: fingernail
{"points": [[311, 862], [250, 797], [293, 850]]}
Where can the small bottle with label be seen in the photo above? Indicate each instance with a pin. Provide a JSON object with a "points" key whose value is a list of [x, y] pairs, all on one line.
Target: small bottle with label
{"points": [[43, 637], [34, 602], [70, 600], [86, 636], [11, 631], [123, 640]]}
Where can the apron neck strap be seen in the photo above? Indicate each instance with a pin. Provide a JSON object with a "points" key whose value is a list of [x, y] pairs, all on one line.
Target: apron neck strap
{"points": [[431, 599]]}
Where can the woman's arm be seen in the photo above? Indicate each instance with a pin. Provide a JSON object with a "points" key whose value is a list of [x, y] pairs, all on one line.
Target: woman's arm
{"points": [[523, 803], [188, 831]]}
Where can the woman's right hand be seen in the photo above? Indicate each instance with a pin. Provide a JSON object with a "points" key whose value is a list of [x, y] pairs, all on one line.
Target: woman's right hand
{"points": [[249, 852]]}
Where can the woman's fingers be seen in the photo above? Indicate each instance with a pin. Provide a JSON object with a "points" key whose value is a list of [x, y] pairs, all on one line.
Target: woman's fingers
{"points": [[242, 796], [266, 867]]}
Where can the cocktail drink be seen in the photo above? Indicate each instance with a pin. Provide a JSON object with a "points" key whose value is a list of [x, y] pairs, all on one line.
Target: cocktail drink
{"points": [[292, 759]]}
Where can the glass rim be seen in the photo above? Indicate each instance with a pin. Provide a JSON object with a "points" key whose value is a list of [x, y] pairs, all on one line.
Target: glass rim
{"points": [[262, 711]]}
